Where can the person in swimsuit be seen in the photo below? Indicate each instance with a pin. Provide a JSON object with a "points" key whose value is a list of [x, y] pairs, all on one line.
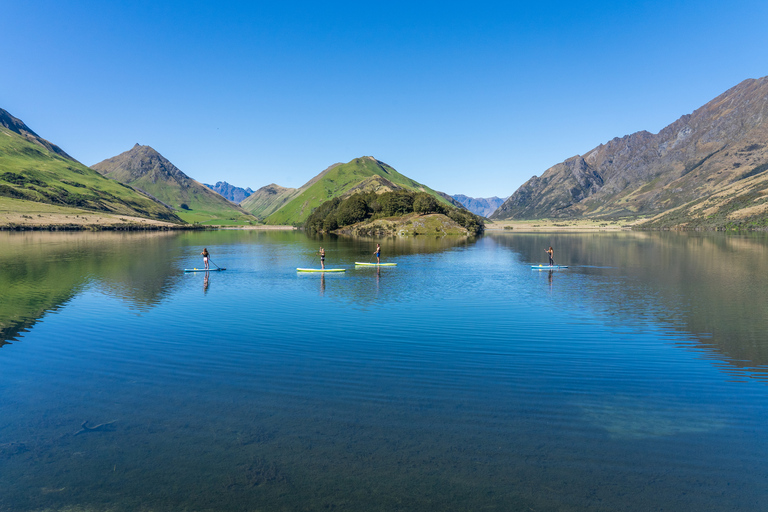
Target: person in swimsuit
{"points": [[205, 257], [322, 258], [551, 253], [378, 253]]}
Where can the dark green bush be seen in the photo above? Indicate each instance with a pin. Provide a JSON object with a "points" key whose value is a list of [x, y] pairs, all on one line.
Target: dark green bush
{"points": [[424, 203], [396, 203], [336, 213]]}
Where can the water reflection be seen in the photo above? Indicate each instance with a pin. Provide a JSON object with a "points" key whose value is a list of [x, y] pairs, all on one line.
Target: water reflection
{"points": [[458, 380], [43, 271], [711, 285]]}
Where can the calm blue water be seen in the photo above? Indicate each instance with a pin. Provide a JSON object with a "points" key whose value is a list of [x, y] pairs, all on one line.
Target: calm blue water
{"points": [[458, 380]]}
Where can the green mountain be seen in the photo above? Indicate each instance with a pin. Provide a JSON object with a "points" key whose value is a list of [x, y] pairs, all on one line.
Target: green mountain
{"points": [[267, 200], [365, 174], [33, 169], [705, 170], [146, 170]]}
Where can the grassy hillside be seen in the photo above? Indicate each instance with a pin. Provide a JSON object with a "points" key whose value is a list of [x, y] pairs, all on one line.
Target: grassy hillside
{"points": [[267, 200], [32, 172], [740, 205], [147, 170], [360, 175]]}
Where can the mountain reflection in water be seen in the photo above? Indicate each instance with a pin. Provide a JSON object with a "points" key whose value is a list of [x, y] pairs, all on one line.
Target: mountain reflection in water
{"points": [[458, 380]]}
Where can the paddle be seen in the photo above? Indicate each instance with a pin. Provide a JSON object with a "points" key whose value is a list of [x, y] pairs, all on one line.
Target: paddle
{"points": [[311, 260], [218, 267]]}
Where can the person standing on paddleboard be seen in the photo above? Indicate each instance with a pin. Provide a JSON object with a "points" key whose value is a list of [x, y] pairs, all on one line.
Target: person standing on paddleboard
{"points": [[551, 253], [378, 254], [206, 256], [322, 258]]}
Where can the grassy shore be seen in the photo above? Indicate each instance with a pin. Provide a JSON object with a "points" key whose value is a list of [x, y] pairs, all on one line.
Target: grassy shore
{"points": [[16, 214], [19, 214], [562, 225], [263, 227]]}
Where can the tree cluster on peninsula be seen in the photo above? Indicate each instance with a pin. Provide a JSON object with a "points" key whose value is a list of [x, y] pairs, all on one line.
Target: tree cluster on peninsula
{"points": [[366, 206]]}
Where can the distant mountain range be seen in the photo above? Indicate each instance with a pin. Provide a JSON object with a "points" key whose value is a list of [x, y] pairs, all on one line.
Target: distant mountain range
{"points": [[478, 205], [705, 170], [145, 169], [234, 194]]}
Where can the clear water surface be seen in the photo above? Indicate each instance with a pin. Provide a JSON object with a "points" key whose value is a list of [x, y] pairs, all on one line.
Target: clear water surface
{"points": [[461, 379]]}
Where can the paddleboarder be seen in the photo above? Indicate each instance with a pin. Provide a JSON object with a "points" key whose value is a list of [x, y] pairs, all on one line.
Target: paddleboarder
{"points": [[551, 253], [322, 258], [206, 256], [378, 254]]}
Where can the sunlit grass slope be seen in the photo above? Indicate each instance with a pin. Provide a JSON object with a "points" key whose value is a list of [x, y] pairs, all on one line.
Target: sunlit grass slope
{"points": [[361, 174], [267, 200], [145, 169], [31, 172]]}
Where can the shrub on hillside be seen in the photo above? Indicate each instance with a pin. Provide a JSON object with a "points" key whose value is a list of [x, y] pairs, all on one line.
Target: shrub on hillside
{"points": [[395, 203], [424, 203], [336, 213], [352, 210]]}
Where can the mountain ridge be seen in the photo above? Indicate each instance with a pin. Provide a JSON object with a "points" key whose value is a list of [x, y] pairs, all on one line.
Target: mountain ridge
{"points": [[144, 168], [267, 200], [37, 171], [17, 126], [230, 192], [341, 180], [651, 175], [483, 206]]}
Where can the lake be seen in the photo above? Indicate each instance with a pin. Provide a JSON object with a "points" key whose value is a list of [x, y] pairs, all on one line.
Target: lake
{"points": [[461, 379]]}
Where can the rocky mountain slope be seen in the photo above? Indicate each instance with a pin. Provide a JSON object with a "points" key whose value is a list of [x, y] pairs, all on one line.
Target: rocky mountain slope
{"points": [[707, 169], [147, 170], [479, 205]]}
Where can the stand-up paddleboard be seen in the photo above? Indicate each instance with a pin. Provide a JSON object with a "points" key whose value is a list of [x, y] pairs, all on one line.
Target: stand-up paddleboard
{"points": [[320, 270], [203, 269], [362, 264], [548, 267]]}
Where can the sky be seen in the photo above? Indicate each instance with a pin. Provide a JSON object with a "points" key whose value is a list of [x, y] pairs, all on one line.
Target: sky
{"points": [[469, 98]]}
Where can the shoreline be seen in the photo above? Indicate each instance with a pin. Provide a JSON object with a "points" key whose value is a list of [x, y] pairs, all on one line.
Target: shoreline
{"points": [[19, 215], [576, 225]]}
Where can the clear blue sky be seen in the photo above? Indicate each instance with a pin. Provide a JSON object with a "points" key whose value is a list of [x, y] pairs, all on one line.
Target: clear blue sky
{"points": [[466, 97]]}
